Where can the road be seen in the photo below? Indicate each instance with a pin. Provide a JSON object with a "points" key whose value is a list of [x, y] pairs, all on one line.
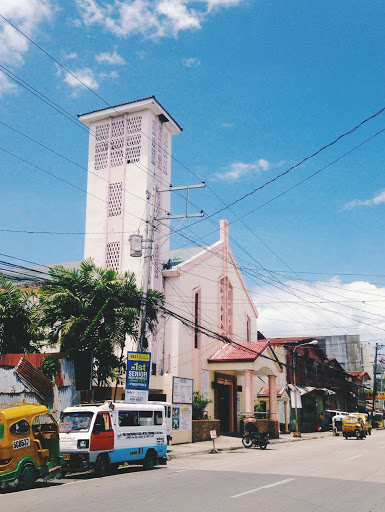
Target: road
{"points": [[329, 474]]}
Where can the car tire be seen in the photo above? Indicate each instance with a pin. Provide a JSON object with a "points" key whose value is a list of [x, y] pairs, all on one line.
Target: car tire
{"points": [[27, 476], [150, 460], [102, 466]]}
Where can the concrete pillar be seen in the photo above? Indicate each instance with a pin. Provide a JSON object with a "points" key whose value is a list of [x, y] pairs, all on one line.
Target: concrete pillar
{"points": [[249, 389], [286, 418], [273, 398]]}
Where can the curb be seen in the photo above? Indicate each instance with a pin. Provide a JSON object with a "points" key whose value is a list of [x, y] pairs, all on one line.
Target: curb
{"points": [[241, 447]]}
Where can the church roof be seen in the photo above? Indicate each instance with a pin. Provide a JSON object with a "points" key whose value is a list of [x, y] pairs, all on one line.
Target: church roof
{"points": [[239, 352]]}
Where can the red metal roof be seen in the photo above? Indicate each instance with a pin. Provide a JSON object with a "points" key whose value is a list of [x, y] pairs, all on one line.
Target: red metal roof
{"points": [[36, 359], [358, 373], [236, 352], [265, 391], [34, 378]]}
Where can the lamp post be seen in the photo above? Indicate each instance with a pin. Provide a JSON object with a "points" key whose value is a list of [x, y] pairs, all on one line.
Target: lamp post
{"points": [[297, 433]]}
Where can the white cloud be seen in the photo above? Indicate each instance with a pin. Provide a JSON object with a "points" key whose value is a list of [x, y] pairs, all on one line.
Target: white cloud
{"points": [[111, 74], [6, 86], [71, 56], [375, 201], [27, 16], [238, 170], [84, 75], [192, 62], [151, 18], [109, 58], [322, 308]]}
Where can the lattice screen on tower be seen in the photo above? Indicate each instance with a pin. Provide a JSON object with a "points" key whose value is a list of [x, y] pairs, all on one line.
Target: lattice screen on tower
{"points": [[134, 138], [117, 152], [115, 194], [113, 256], [102, 134]]}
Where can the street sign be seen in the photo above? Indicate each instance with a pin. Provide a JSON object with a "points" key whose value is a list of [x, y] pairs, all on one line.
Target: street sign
{"points": [[213, 434], [138, 377]]}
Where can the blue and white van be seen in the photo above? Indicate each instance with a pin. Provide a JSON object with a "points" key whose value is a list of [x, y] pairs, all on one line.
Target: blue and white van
{"points": [[101, 437]]}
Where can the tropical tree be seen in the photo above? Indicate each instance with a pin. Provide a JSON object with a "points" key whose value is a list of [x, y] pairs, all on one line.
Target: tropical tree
{"points": [[18, 331], [93, 310]]}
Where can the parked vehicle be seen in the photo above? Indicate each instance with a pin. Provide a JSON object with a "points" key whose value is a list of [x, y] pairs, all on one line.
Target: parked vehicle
{"points": [[252, 437], [367, 423], [168, 417], [100, 437], [337, 423], [353, 426], [328, 417], [29, 445]]}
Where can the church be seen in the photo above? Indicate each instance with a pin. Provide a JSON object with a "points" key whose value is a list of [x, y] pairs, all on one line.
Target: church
{"points": [[129, 167]]}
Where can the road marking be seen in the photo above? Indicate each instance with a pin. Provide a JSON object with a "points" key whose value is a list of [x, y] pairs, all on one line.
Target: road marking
{"points": [[354, 457], [264, 487]]}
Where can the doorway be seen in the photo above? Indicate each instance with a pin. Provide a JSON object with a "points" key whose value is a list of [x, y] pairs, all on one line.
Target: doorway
{"points": [[225, 401]]}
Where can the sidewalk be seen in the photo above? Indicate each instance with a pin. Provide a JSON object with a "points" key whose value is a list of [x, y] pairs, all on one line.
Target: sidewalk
{"points": [[227, 443]]}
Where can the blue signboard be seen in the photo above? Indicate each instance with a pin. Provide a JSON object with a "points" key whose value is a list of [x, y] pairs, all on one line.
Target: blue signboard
{"points": [[138, 371]]}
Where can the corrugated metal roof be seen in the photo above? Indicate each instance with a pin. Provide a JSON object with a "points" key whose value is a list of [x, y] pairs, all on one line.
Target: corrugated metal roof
{"points": [[34, 378], [239, 352], [10, 383], [65, 371], [265, 391]]}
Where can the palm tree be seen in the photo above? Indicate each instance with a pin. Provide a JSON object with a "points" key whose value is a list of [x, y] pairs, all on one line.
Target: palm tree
{"points": [[18, 331], [94, 310]]}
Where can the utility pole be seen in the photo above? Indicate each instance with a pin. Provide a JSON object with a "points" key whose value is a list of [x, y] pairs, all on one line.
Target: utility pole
{"points": [[375, 379], [142, 341]]}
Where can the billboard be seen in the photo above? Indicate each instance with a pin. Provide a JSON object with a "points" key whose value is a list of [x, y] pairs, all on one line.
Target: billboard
{"points": [[138, 377]]}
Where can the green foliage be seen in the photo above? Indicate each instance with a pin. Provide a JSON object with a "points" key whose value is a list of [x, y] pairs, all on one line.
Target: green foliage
{"points": [[18, 330], [93, 309], [199, 405], [49, 366], [258, 407]]}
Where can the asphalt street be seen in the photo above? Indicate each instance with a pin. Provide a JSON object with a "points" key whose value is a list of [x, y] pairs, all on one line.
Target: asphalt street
{"points": [[329, 474]]}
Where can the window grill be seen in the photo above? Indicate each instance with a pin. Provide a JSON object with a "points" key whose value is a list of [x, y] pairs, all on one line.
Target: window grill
{"points": [[117, 156], [113, 256], [115, 194], [102, 133]]}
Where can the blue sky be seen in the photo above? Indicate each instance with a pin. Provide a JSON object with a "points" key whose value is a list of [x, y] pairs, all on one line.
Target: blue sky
{"points": [[257, 86]]}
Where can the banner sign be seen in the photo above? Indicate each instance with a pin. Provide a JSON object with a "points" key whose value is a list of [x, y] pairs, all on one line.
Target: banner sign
{"points": [[138, 377]]}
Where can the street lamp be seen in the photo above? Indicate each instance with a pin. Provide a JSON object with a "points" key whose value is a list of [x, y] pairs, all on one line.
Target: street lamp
{"points": [[297, 433]]}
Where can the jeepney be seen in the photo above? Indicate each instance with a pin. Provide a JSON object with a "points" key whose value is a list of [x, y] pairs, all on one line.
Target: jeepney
{"points": [[100, 437], [353, 426], [29, 445]]}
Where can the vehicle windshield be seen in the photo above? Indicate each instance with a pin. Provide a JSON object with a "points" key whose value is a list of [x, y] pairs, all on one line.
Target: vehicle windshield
{"points": [[75, 421]]}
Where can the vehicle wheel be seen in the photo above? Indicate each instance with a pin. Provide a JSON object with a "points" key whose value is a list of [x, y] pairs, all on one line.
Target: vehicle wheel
{"points": [[247, 442], [102, 466], [114, 468], [150, 460], [370, 431], [28, 476], [263, 445]]}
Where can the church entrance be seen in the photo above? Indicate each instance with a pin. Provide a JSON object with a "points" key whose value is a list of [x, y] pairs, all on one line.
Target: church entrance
{"points": [[225, 401]]}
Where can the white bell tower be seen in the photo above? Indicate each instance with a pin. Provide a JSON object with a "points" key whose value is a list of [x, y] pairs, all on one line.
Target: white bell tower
{"points": [[129, 152]]}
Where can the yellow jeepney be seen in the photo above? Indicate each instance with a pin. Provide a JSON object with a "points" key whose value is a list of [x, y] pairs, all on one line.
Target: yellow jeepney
{"points": [[367, 424], [29, 445], [353, 426]]}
